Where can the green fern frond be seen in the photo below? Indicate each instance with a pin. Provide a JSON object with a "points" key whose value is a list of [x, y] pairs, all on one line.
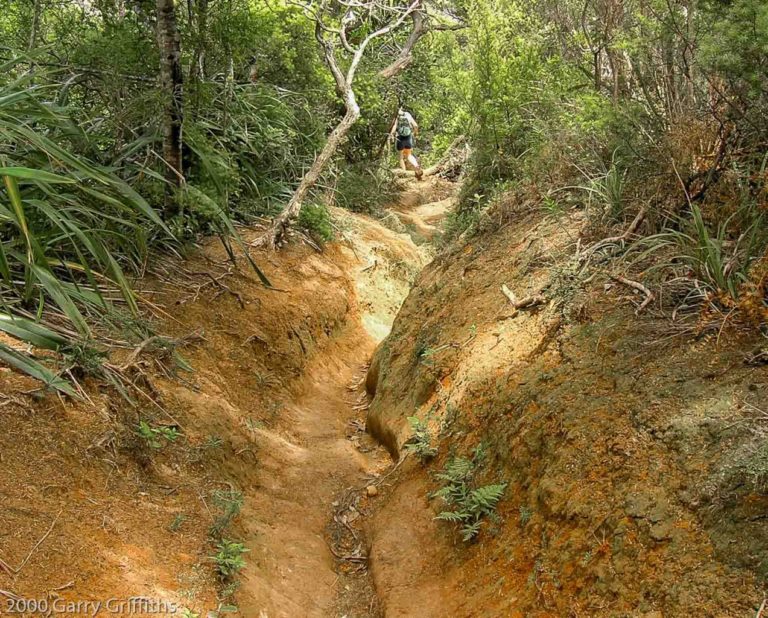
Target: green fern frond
{"points": [[488, 496]]}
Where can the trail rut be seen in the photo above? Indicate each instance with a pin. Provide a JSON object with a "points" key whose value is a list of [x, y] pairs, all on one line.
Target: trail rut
{"points": [[303, 464], [266, 415], [316, 463]]}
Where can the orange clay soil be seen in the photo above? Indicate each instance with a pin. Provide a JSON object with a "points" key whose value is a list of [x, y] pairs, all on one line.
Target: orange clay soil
{"points": [[614, 439], [626, 450], [266, 413]]}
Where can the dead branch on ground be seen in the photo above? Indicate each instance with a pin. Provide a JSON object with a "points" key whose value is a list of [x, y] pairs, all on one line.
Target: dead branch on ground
{"points": [[649, 296], [526, 302], [454, 157]]}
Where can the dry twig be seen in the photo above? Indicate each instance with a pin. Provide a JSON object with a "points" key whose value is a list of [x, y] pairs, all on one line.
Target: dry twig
{"points": [[649, 296], [18, 569], [523, 303]]}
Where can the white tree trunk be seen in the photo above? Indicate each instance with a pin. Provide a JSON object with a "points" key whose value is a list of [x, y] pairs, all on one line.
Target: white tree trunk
{"points": [[290, 213], [277, 231]]}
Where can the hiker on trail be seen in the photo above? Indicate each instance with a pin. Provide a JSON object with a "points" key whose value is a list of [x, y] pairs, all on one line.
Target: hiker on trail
{"points": [[404, 129]]}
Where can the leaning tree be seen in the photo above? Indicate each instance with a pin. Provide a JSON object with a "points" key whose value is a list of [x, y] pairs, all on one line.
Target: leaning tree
{"points": [[345, 30]]}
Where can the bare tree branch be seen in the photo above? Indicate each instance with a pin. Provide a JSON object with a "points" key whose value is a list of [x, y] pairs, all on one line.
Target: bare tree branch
{"points": [[422, 24], [406, 54], [325, 36]]}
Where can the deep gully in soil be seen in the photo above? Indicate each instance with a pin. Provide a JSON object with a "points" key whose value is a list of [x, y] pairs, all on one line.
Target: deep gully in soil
{"points": [[305, 527]]}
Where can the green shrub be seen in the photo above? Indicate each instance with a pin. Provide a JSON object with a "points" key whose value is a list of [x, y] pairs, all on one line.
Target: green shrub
{"points": [[316, 220], [177, 523], [365, 187], [229, 558]]}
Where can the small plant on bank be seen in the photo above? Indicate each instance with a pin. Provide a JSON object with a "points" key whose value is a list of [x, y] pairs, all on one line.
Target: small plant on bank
{"points": [[229, 558], [212, 443], [470, 504], [230, 502], [420, 443], [177, 522], [254, 425], [315, 219], [156, 437], [85, 359]]}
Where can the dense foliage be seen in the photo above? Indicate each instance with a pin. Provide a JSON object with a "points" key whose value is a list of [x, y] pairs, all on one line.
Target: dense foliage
{"points": [[86, 192], [615, 107], [622, 108]]}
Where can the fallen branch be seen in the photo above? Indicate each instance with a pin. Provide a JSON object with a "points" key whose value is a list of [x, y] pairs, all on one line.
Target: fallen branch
{"points": [[649, 296], [63, 587], [523, 303], [370, 266], [613, 240], [451, 159], [164, 343], [381, 479]]}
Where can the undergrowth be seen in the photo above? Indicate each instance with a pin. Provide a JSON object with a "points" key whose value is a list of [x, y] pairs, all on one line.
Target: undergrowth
{"points": [[316, 221], [709, 269], [470, 504], [156, 436], [421, 442], [229, 502], [365, 187], [229, 559]]}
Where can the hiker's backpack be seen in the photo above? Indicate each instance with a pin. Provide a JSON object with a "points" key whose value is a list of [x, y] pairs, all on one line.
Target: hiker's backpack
{"points": [[403, 126]]}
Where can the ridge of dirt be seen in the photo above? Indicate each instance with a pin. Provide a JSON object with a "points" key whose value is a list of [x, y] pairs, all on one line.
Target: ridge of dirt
{"points": [[422, 206], [617, 443]]}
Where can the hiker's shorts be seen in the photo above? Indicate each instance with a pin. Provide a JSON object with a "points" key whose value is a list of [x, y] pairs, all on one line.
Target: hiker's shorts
{"points": [[404, 143]]}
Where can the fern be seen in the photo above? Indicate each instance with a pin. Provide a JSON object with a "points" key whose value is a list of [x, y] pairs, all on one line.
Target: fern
{"points": [[470, 530], [452, 516], [470, 504], [488, 496], [458, 469], [420, 442]]}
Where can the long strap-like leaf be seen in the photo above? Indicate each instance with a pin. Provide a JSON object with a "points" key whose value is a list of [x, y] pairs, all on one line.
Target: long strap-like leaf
{"points": [[27, 364]]}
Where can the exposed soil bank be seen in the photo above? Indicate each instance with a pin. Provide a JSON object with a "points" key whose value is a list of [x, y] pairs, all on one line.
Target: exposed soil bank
{"points": [[629, 454], [265, 415], [627, 450]]}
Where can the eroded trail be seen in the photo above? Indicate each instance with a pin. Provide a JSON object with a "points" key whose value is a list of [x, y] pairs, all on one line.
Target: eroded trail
{"points": [[266, 420], [308, 550], [304, 463]]}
